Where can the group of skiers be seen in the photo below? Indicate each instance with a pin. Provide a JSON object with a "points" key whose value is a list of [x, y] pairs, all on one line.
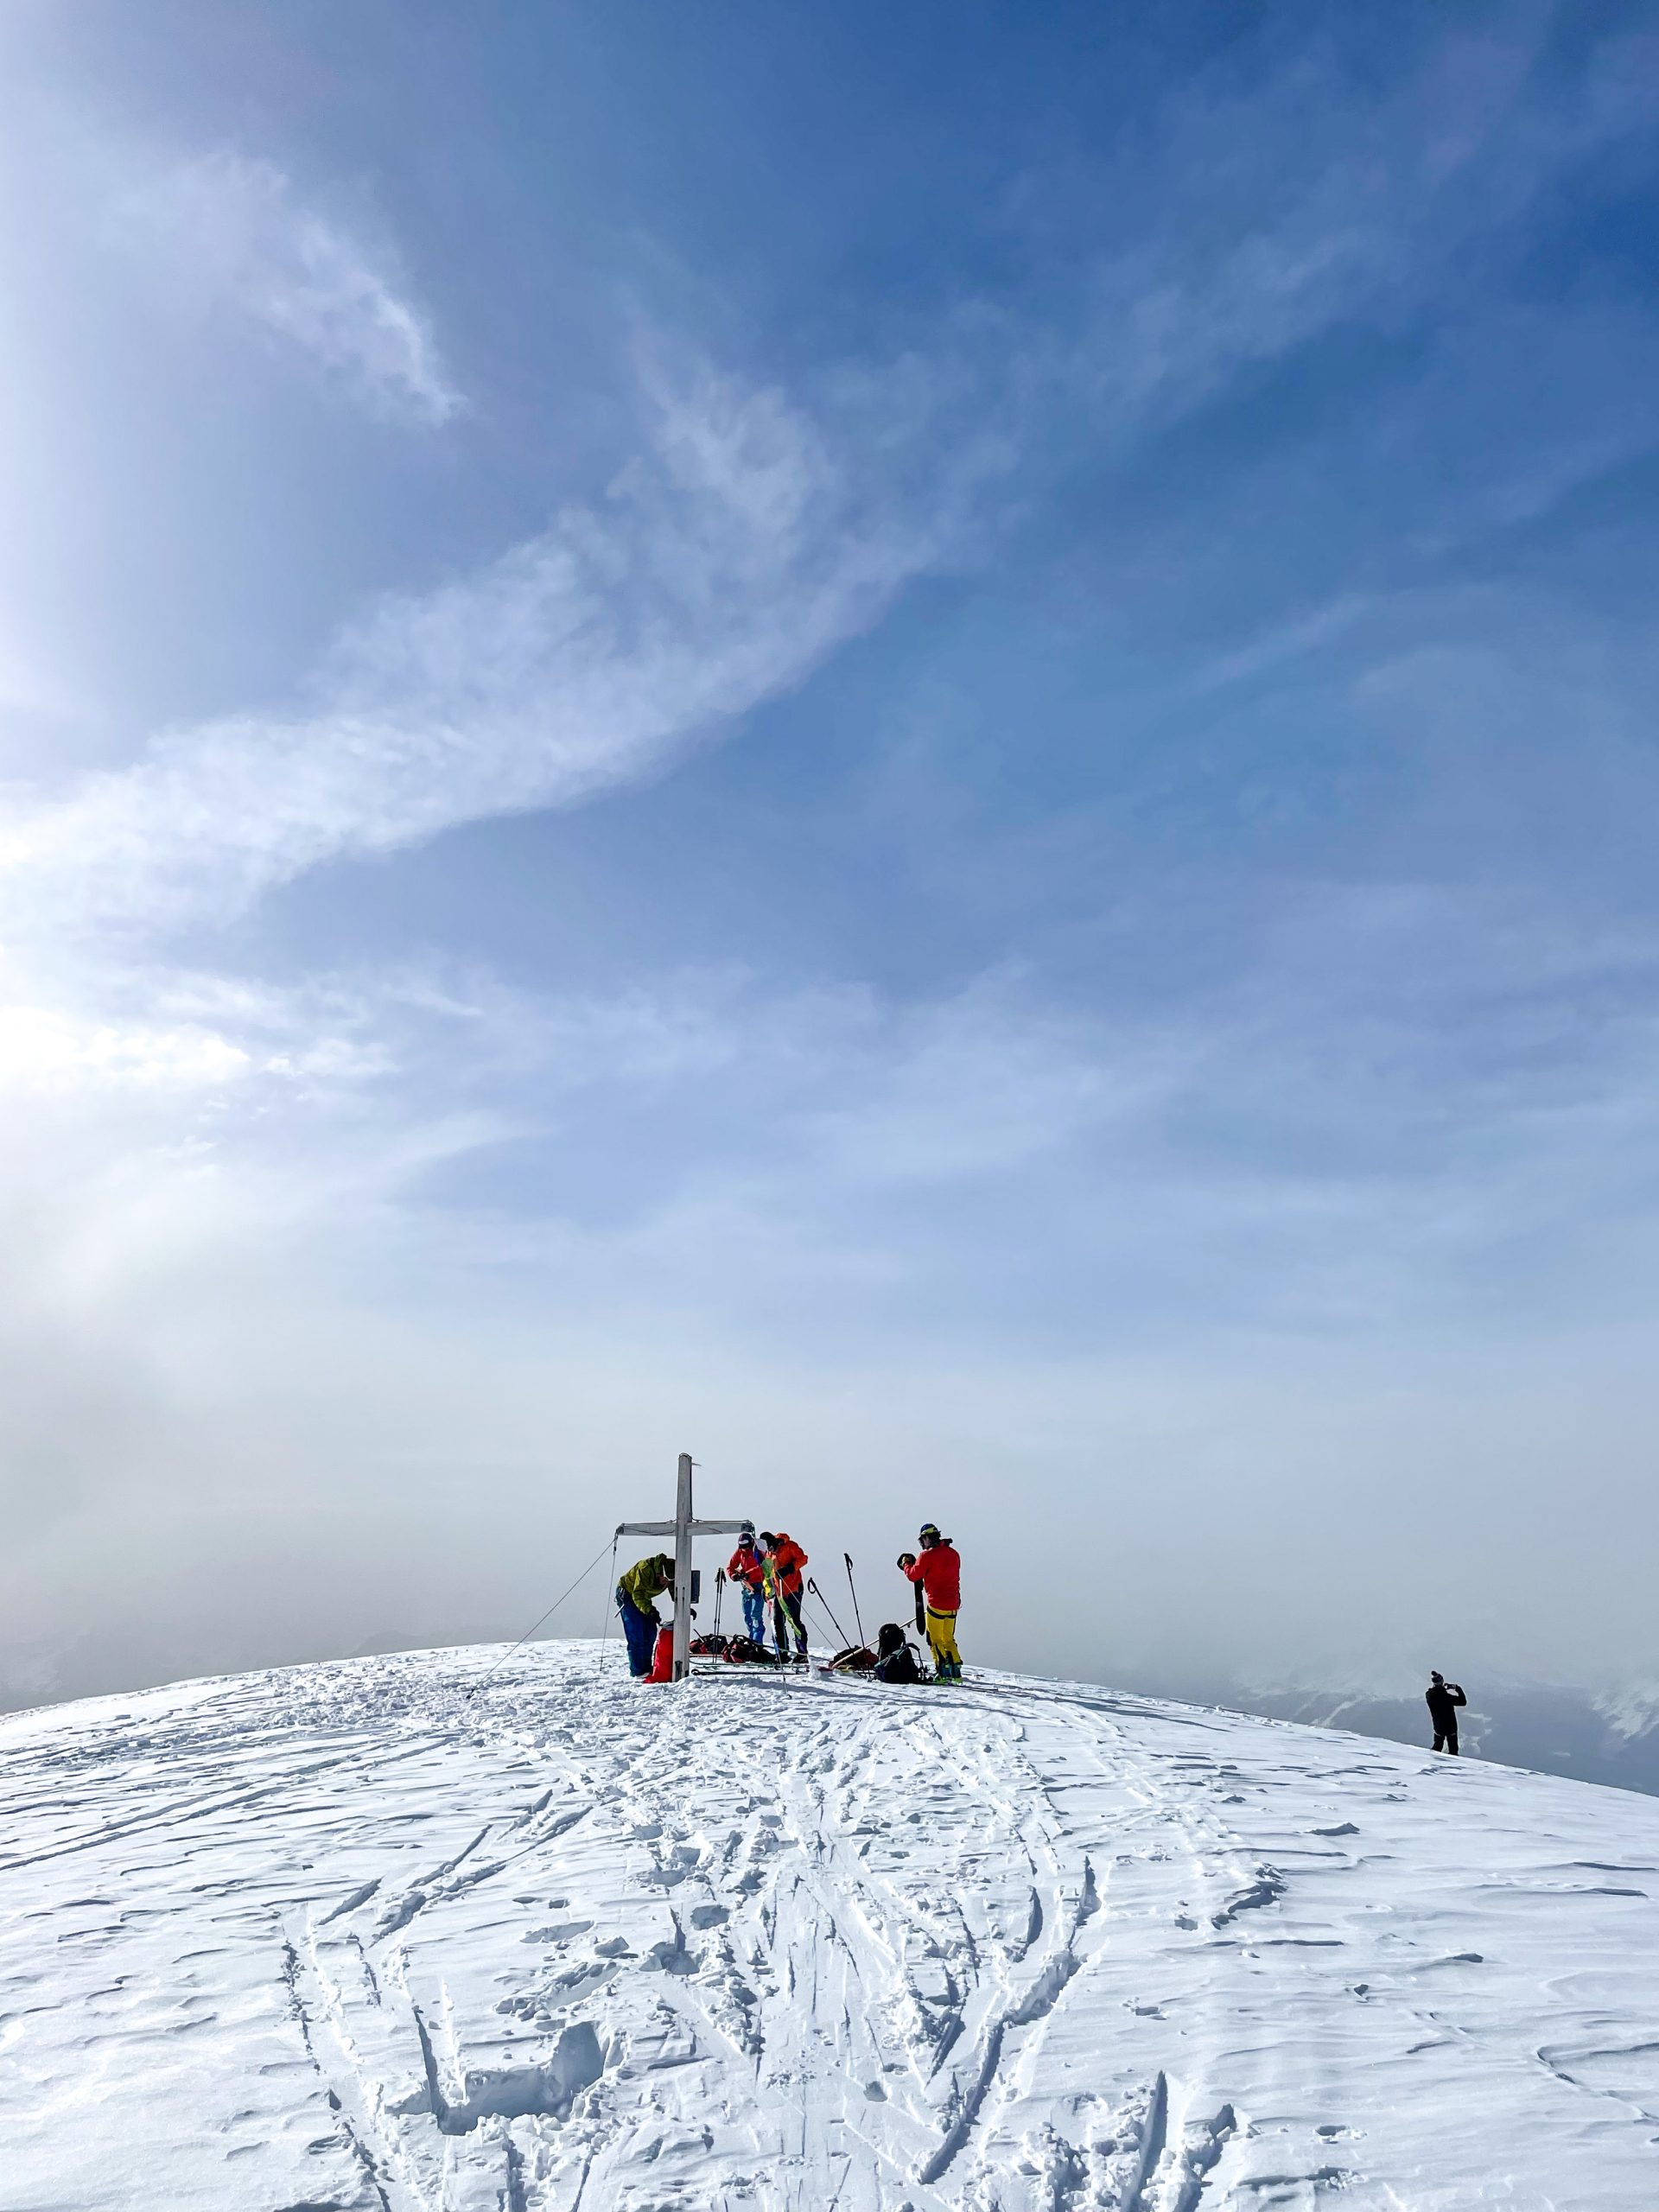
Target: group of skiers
{"points": [[768, 1570]]}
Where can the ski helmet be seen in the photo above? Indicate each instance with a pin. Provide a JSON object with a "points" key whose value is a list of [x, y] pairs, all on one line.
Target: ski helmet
{"points": [[929, 1534]]}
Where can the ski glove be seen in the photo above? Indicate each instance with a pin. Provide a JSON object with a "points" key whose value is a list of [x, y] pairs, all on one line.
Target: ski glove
{"points": [[907, 1560]]}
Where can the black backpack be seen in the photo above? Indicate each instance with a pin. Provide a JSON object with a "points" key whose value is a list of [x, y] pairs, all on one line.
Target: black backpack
{"points": [[895, 1660]]}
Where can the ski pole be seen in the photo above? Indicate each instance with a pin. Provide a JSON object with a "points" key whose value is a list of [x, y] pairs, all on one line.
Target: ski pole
{"points": [[853, 1586], [824, 1602], [720, 1592]]}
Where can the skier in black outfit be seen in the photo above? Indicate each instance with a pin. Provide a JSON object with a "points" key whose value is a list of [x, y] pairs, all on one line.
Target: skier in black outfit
{"points": [[1443, 1699]]}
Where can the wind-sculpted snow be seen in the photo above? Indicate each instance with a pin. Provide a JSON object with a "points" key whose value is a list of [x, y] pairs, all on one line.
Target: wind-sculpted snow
{"points": [[349, 1937]]}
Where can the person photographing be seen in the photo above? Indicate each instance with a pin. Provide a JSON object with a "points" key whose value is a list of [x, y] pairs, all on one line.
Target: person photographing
{"points": [[1443, 1699]]}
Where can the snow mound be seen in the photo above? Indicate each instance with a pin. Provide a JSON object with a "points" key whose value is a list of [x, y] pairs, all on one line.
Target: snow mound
{"points": [[349, 1937]]}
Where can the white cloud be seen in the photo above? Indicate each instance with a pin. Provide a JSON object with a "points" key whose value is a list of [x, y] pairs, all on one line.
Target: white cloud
{"points": [[43, 1048], [237, 233], [727, 560]]}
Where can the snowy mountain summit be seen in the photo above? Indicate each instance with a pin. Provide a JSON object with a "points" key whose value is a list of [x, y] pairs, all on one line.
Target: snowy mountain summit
{"points": [[346, 1936]]}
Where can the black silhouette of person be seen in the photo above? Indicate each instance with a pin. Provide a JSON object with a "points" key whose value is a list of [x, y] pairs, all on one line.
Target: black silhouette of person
{"points": [[1443, 1699]]}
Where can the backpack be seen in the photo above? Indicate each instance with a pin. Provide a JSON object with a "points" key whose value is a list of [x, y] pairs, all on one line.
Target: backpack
{"points": [[895, 1659]]}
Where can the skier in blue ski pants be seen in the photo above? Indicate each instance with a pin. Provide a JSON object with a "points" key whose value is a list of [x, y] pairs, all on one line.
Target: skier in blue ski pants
{"points": [[634, 1594], [747, 1569]]}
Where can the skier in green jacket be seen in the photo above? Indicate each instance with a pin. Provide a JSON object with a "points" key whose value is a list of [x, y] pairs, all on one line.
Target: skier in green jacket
{"points": [[636, 1595]]}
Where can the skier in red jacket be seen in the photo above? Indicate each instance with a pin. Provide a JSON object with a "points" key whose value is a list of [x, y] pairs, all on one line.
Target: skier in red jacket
{"points": [[784, 1560], [938, 1573], [748, 1570]]}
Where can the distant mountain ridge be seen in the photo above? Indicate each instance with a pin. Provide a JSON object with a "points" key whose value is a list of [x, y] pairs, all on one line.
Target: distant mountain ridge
{"points": [[1586, 1735]]}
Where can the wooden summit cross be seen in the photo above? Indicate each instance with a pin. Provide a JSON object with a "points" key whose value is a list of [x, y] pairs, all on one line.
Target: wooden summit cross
{"points": [[681, 1528]]}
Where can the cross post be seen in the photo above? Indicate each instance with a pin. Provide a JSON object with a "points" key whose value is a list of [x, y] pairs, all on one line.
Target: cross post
{"points": [[681, 1528]]}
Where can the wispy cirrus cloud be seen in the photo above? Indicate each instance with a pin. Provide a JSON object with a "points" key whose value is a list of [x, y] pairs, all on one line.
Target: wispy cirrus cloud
{"points": [[740, 547], [750, 536], [239, 232], [1252, 212]]}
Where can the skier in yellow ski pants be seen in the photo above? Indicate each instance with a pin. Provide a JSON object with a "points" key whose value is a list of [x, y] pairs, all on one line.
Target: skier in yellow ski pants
{"points": [[938, 1572], [942, 1641]]}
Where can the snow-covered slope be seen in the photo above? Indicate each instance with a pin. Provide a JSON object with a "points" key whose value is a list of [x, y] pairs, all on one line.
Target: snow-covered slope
{"points": [[342, 1936]]}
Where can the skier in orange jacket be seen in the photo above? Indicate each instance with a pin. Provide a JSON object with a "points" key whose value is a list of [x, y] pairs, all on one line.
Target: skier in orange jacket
{"points": [[784, 1560], [938, 1573]]}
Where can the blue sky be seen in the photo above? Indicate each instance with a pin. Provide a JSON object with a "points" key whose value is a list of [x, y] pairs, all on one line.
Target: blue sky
{"points": [[917, 750]]}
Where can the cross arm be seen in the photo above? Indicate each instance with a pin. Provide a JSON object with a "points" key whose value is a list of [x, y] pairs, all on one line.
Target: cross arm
{"points": [[672, 1527]]}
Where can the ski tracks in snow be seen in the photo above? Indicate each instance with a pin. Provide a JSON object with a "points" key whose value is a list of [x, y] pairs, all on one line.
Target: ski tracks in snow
{"points": [[852, 1928], [351, 1938], [1043, 2123]]}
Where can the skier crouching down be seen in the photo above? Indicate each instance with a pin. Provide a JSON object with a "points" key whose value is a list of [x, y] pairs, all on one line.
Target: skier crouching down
{"points": [[748, 1570], [784, 1560], [938, 1572], [636, 1593]]}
